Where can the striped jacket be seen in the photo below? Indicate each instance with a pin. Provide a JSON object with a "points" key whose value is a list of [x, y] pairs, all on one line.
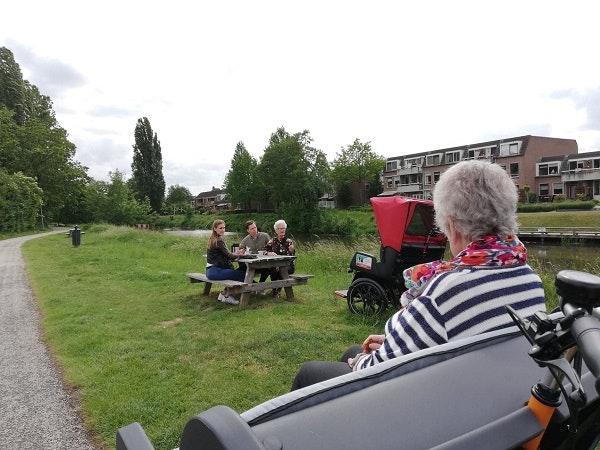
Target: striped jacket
{"points": [[459, 303]]}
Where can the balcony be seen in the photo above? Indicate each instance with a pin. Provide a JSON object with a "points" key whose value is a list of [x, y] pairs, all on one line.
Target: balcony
{"points": [[580, 175], [408, 170]]}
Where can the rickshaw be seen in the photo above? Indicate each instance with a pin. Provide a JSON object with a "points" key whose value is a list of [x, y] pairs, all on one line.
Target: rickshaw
{"points": [[408, 236]]}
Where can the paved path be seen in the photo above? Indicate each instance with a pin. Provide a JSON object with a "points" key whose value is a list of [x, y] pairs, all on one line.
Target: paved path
{"points": [[36, 412]]}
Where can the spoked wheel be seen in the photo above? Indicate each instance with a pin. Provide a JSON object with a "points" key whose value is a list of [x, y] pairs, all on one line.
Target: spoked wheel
{"points": [[366, 297]]}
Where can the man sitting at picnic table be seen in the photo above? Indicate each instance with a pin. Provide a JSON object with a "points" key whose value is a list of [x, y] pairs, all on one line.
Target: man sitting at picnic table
{"points": [[253, 243]]}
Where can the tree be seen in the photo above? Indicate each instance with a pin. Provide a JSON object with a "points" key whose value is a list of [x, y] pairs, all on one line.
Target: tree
{"points": [[178, 197], [114, 202], [526, 189], [147, 178], [12, 90], [358, 164], [20, 201], [295, 176], [32, 142], [241, 182]]}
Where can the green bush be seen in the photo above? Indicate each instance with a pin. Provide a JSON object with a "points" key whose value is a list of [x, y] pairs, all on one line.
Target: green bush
{"points": [[556, 206]]}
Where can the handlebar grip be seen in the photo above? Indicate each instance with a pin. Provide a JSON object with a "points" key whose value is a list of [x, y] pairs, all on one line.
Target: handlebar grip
{"points": [[586, 332]]}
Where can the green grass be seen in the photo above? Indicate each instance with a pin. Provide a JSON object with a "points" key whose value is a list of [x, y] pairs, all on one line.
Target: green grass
{"points": [[140, 343], [566, 218]]}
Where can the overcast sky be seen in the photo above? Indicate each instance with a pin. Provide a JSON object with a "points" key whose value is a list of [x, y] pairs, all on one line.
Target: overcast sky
{"points": [[407, 76]]}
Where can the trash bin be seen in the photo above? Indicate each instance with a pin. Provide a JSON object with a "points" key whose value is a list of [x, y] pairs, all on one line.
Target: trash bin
{"points": [[76, 236]]}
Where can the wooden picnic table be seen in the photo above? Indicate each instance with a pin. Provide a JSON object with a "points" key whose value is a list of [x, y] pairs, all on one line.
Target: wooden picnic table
{"points": [[248, 286]]}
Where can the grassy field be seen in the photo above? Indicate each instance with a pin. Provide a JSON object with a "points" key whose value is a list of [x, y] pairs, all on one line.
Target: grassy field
{"points": [[140, 343], [565, 218]]}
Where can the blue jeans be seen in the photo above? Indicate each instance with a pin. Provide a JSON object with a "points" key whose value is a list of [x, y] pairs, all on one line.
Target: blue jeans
{"points": [[217, 273]]}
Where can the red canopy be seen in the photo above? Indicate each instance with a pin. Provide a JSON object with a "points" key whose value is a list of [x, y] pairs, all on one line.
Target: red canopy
{"points": [[405, 219]]}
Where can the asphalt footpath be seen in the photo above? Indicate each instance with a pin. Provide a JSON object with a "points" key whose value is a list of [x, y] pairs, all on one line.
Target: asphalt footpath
{"points": [[37, 411]]}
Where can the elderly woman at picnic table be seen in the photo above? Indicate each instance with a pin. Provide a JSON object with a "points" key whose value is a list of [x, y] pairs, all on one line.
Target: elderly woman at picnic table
{"points": [[280, 245]]}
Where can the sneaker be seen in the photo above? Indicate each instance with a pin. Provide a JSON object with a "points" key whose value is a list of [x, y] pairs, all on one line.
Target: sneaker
{"points": [[221, 297], [231, 300]]}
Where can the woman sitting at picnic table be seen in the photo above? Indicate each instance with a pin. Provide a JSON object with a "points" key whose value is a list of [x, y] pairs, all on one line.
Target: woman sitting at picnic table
{"points": [[280, 245], [218, 261]]}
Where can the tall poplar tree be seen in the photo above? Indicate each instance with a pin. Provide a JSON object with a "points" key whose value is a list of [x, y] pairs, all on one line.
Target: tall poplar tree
{"points": [[147, 179], [241, 181]]}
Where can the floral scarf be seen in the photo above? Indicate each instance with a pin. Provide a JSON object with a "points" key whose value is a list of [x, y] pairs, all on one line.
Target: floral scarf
{"points": [[488, 251]]}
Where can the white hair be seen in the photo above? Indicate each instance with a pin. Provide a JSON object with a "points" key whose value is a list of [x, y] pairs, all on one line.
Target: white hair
{"points": [[479, 197], [280, 223]]}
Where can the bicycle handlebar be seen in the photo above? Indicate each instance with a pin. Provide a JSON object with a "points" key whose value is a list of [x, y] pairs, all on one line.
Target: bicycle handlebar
{"points": [[579, 294], [586, 332]]}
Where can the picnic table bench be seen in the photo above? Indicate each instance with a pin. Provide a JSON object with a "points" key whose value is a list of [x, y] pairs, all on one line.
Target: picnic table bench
{"points": [[248, 286]]}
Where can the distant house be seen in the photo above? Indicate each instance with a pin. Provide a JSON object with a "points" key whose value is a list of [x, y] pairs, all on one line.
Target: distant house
{"points": [[327, 201], [213, 199]]}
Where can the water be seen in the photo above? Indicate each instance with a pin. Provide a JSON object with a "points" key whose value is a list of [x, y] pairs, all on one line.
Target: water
{"points": [[567, 256], [197, 233]]}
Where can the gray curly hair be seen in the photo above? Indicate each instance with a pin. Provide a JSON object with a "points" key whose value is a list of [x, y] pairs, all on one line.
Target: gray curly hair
{"points": [[280, 223], [479, 197]]}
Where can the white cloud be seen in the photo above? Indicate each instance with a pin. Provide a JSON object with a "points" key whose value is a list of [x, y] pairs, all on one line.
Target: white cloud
{"points": [[405, 76]]}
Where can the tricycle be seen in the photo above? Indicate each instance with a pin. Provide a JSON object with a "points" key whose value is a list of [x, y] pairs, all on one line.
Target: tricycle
{"points": [[408, 236]]}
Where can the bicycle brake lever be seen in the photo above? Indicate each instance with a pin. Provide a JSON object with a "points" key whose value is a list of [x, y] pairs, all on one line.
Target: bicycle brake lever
{"points": [[577, 395]]}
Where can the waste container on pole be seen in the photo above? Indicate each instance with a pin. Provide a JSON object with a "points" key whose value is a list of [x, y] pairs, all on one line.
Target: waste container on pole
{"points": [[76, 236]]}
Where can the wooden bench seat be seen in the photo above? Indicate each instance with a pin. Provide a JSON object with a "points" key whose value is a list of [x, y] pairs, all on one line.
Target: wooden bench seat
{"points": [[233, 287], [202, 278], [301, 276]]}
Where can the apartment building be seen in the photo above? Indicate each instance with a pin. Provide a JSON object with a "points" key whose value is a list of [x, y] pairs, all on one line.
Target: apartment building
{"points": [[549, 166]]}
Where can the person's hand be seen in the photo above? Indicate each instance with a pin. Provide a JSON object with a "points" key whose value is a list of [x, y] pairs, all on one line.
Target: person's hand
{"points": [[373, 342], [291, 247]]}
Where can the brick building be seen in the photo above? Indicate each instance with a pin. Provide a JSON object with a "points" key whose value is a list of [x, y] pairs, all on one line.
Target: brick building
{"points": [[549, 166]]}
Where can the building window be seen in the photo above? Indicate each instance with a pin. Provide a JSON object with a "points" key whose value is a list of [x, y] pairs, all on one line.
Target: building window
{"points": [[547, 169], [575, 165], [414, 178], [514, 170], [452, 157], [436, 177], [557, 188], [428, 179], [391, 165], [389, 182], [479, 153], [543, 190], [434, 160], [510, 148], [412, 162]]}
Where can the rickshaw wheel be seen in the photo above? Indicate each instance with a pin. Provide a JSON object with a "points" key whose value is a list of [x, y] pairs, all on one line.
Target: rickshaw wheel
{"points": [[366, 297]]}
